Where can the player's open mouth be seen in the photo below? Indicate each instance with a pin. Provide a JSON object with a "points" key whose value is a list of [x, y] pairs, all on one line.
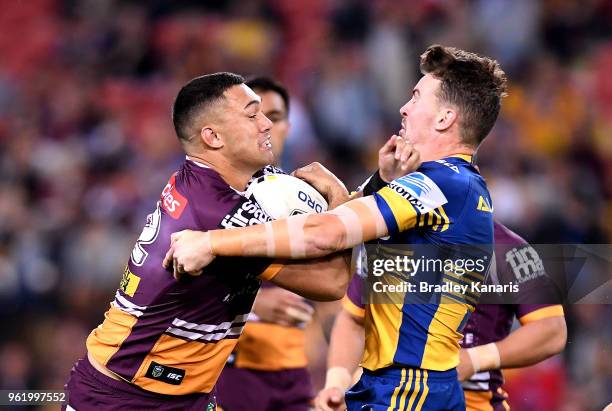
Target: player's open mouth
{"points": [[266, 144]]}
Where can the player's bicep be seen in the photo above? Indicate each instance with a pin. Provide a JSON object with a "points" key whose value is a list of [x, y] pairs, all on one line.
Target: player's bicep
{"points": [[321, 279]]}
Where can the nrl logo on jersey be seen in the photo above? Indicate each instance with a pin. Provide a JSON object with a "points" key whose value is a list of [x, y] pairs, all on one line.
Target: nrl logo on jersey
{"points": [[245, 214]]}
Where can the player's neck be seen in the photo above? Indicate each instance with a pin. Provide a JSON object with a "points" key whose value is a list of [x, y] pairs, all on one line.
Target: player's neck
{"points": [[233, 176], [439, 152]]}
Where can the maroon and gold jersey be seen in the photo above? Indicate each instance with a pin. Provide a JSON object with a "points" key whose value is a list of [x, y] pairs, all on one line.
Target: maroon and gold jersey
{"points": [[265, 346], [174, 337], [519, 262]]}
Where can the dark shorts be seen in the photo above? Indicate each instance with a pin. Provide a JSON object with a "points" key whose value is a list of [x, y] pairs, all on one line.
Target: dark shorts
{"points": [[240, 389], [88, 389], [406, 389]]}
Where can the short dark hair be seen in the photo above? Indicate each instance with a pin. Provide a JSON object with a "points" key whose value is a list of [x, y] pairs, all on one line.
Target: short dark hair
{"points": [[264, 84], [473, 83], [199, 94]]}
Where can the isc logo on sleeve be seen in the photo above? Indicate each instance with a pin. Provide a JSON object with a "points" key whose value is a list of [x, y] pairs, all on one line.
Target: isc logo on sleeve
{"points": [[171, 200]]}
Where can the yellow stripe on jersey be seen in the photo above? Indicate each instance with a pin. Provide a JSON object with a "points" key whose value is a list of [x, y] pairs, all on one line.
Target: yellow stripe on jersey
{"points": [[442, 347], [351, 308], [417, 388], [466, 157], [382, 328], [445, 219], [397, 390], [404, 213], [541, 313], [411, 378], [419, 405]]}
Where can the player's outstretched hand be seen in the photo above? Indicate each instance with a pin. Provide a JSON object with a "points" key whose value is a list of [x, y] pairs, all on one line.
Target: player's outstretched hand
{"points": [[282, 307], [325, 182], [330, 399], [397, 158], [190, 251]]}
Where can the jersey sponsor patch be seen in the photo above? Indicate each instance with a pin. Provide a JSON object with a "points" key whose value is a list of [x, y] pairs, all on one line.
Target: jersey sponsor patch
{"points": [[245, 214], [525, 263], [484, 205], [420, 191], [172, 201], [164, 373], [129, 282]]}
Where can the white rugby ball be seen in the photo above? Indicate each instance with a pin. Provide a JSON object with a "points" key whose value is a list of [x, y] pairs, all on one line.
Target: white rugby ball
{"points": [[282, 195]]}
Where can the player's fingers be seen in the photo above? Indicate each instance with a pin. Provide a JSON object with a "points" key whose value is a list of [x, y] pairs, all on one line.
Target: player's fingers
{"points": [[175, 236], [298, 315], [177, 274], [412, 162], [302, 306], [406, 152], [389, 145], [168, 258], [400, 144], [322, 402]]}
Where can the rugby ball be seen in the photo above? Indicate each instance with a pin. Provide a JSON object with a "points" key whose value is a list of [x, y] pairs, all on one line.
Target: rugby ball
{"points": [[282, 195]]}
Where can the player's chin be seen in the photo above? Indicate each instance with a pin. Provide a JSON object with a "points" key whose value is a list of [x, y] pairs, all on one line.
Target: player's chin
{"points": [[264, 158], [266, 153]]}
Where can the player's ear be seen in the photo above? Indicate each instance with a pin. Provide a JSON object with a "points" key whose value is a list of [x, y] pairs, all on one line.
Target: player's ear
{"points": [[447, 116], [210, 137]]}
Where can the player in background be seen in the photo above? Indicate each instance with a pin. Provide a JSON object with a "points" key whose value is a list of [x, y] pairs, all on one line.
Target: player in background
{"points": [[164, 342], [488, 344], [411, 349], [267, 370]]}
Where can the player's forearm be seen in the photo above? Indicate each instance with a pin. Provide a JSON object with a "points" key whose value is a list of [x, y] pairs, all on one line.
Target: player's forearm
{"points": [[323, 279], [304, 236], [533, 342], [343, 358]]}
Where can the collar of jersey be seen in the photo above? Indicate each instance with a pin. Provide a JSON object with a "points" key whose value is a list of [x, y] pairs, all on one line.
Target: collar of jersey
{"points": [[197, 163], [465, 157]]}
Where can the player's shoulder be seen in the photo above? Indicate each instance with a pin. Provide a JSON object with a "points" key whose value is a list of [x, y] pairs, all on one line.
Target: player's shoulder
{"points": [[504, 235], [450, 171], [202, 190], [195, 179]]}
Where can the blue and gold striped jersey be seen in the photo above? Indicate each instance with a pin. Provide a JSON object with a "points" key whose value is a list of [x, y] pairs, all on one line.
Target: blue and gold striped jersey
{"points": [[443, 203]]}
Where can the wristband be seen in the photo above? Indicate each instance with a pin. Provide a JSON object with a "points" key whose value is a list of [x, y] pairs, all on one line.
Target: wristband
{"points": [[338, 377], [485, 357], [374, 184]]}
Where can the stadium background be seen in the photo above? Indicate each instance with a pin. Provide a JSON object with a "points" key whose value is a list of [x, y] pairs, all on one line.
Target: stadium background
{"points": [[86, 142]]}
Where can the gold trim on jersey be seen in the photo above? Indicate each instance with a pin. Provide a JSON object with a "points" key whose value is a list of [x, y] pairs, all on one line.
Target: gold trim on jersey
{"points": [[541, 313], [202, 363], [106, 339], [352, 308], [271, 347]]}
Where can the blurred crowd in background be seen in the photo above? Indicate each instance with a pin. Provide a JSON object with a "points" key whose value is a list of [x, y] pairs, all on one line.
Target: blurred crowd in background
{"points": [[86, 141]]}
